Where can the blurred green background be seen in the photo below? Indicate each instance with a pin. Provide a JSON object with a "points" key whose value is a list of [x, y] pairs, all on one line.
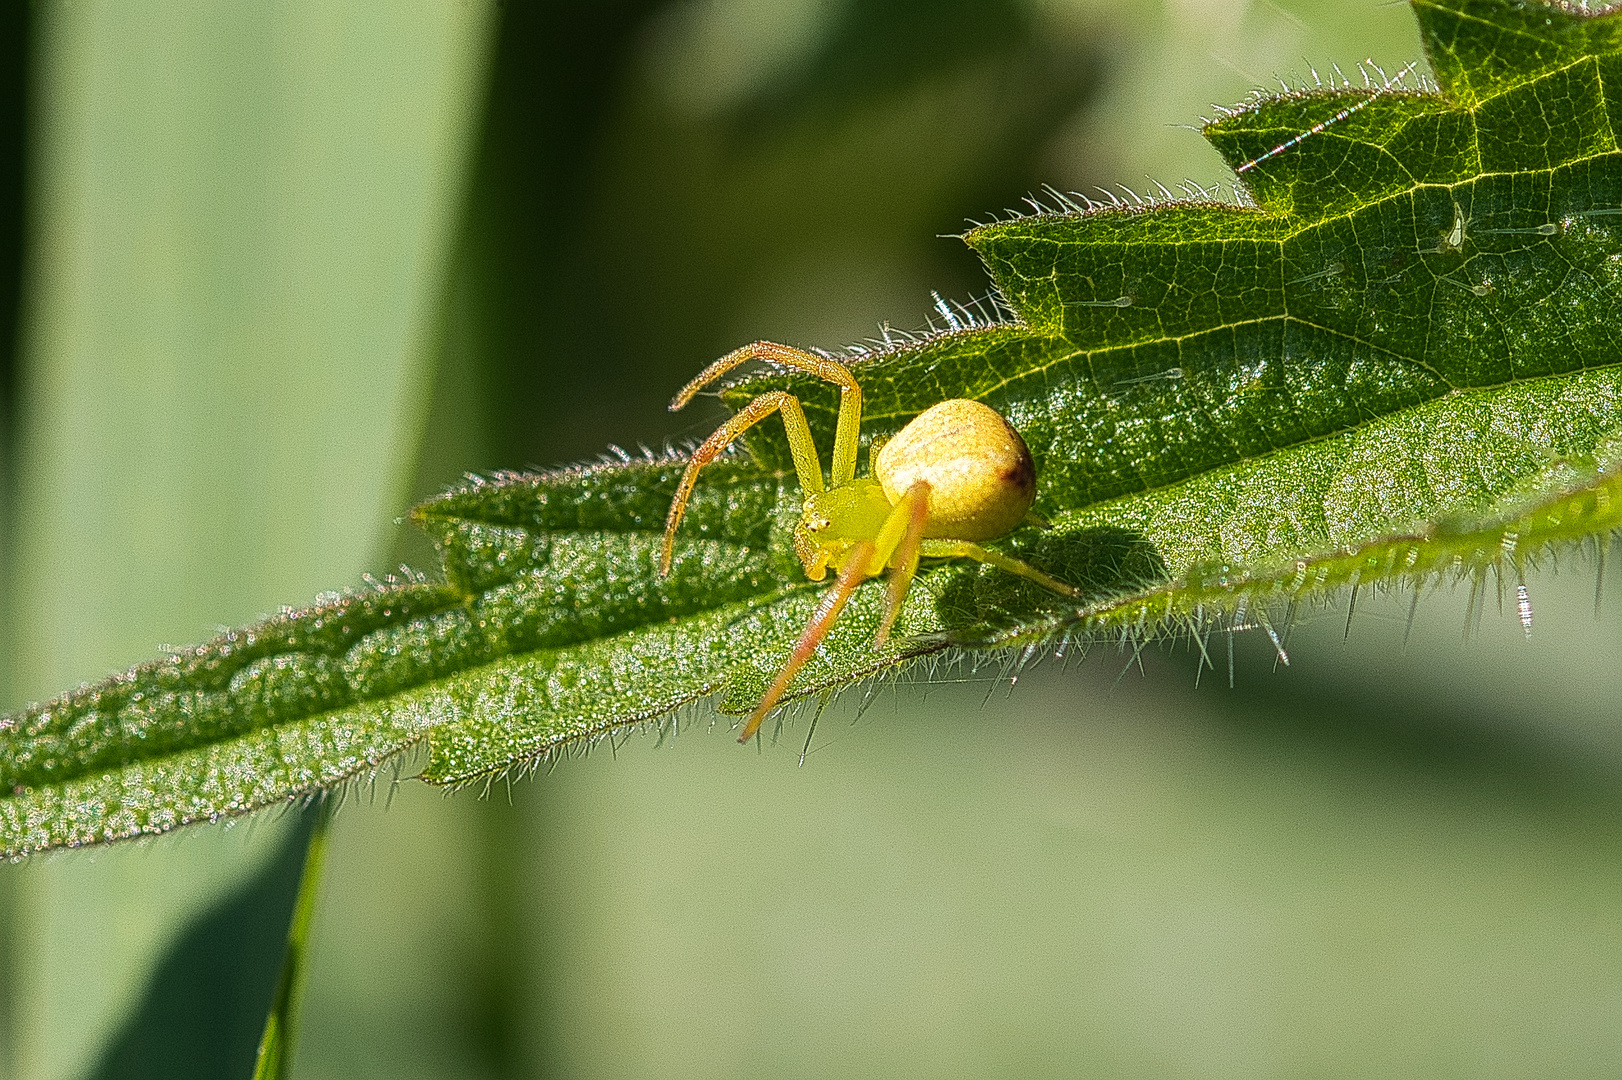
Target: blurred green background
{"points": [[270, 272]]}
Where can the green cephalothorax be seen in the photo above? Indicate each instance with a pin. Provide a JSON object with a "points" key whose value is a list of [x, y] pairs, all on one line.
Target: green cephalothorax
{"points": [[834, 520]]}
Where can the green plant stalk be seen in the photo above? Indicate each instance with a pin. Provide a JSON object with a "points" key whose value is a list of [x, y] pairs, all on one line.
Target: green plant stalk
{"points": [[277, 1044]]}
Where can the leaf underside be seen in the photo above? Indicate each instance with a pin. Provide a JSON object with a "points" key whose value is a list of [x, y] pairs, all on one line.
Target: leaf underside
{"points": [[1396, 358]]}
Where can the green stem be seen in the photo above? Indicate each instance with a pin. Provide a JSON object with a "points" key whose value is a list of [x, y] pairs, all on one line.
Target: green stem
{"points": [[281, 1026]]}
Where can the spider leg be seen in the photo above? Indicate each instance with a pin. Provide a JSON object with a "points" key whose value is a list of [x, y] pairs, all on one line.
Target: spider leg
{"points": [[852, 572], [850, 393], [898, 545], [804, 450], [962, 549]]}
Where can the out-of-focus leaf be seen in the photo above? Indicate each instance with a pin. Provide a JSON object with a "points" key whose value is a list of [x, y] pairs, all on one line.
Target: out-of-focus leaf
{"points": [[204, 1006], [1395, 359]]}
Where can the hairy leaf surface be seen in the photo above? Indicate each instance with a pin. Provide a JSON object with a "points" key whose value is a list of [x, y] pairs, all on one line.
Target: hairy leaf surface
{"points": [[1395, 358]]}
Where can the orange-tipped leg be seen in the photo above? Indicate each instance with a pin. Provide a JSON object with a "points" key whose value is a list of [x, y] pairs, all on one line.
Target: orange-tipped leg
{"points": [[911, 512], [962, 549], [850, 393], [799, 441], [853, 570]]}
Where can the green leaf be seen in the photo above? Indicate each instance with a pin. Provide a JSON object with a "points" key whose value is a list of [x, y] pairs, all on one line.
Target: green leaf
{"points": [[1392, 359]]}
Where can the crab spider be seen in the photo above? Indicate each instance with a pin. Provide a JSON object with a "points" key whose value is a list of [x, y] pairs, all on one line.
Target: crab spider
{"points": [[957, 474]]}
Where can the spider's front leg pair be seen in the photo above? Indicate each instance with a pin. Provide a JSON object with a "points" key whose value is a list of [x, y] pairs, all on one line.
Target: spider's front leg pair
{"points": [[956, 474]]}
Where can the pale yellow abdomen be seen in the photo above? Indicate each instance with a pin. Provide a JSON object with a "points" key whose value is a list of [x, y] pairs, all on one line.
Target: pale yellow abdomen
{"points": [[979, 470]]}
